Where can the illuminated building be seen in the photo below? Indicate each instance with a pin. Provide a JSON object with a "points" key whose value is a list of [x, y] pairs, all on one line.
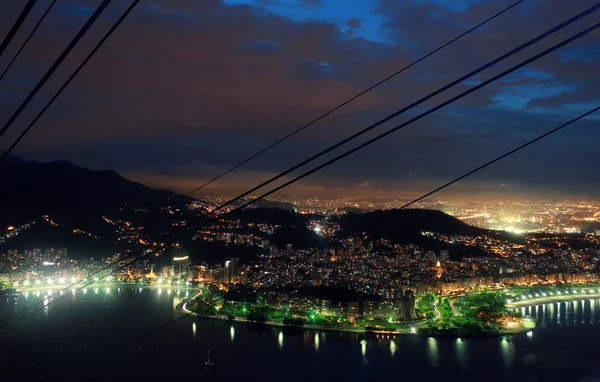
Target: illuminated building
{"points": [[408, 304], [181, 264]]}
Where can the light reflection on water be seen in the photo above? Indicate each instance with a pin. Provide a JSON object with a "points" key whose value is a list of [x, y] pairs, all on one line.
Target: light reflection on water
{"points": [[432, 346], [461, 355], [565, 313], [497, 356], [393, 347]]}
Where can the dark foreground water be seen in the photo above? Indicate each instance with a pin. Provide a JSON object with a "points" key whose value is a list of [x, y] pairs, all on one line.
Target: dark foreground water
{"points": [[71, 340]]}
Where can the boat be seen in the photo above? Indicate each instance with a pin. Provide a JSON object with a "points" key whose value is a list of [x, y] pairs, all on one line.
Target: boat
{"points": [[208, 362]]}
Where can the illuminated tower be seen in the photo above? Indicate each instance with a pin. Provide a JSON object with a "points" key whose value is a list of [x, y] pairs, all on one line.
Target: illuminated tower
{"points": [[181, 264], [439, 269], [230, 272]]}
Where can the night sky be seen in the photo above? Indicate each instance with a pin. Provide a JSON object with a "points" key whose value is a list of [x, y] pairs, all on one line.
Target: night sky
{"points": [[185, 89]]}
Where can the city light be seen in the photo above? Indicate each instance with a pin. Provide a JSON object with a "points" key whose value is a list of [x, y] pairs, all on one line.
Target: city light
{"points": [[73, 280]]}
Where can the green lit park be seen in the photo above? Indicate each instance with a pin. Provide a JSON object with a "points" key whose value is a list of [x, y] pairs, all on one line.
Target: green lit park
{"points": [[480, 313]]}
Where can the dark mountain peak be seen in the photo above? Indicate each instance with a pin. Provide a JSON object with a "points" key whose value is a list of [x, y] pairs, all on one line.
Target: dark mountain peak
{"points": [[31, 189], [13, 159], [406, 223]]}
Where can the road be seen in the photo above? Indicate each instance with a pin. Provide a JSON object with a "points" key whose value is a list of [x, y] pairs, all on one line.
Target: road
{"points": [[456, 314], [184, 306], [438, 314]]}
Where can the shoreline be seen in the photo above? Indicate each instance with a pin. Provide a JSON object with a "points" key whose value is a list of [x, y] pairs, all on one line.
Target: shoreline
{"points": [[41, 288], [552, 299], [180, 308], [475, 334]]}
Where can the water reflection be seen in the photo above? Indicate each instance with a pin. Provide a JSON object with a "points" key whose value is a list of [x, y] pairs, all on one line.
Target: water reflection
{"points": [[461, 354], [432, 346], [363, 348], [508, 352], [565, 313], [392, 347], [445, 355]]}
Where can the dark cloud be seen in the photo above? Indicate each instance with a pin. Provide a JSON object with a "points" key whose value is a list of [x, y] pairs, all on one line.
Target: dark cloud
{"points": [[185, 89], [354, 23]]}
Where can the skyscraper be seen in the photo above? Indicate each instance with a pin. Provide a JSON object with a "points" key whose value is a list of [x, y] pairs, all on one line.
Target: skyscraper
{"points": [[181, 266]]}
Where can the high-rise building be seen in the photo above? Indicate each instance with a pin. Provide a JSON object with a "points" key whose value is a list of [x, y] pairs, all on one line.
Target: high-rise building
{"points": [[408, 304], [181, 264], [230, 272], [168, 271]]}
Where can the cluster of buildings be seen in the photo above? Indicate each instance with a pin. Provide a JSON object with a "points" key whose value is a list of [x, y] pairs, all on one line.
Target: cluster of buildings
{"points": [[400, 305]]}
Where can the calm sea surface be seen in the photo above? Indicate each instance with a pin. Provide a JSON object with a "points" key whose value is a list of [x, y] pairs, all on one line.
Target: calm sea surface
{"points": [[71, 340]]}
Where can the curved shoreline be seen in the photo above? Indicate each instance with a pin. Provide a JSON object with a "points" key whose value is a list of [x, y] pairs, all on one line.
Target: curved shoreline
{"points": [[408, 330], [41, 288], [552, 299]]}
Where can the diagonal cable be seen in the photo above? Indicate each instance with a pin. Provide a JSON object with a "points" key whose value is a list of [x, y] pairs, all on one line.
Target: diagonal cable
{"points": [[15, 28], [62, 88], [56, 64], [27, 40]]}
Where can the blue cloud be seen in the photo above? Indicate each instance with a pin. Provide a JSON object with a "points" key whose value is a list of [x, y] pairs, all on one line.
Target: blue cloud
{"points": [[568, 110], [587, 53], [329, 11], [452, 5], [79, 10], [527, 73], [518, 97]]}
